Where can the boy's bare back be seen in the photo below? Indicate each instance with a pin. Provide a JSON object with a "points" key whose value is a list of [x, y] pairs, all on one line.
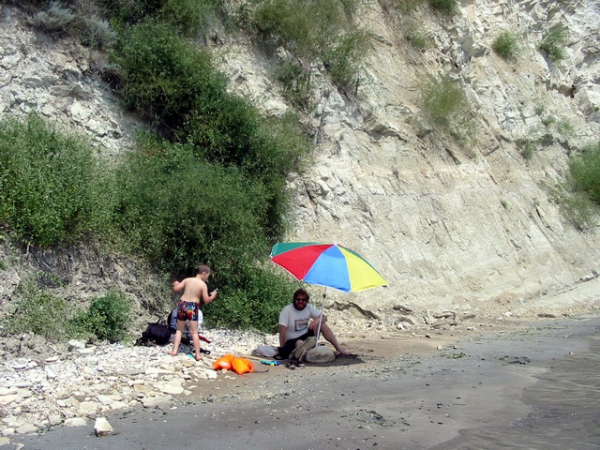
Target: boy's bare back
{"points": [[195, 288]]}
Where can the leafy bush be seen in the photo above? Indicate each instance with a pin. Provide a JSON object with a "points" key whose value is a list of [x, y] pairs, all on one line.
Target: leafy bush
{"points": [[445, 104], [527, 151], [296, 81], [313, 29], [166, 78], [576, 206], [180, 211], [37, 311], [506, 45], [579, 197], [553, 43], [402, 6], [97, 33], [57, 18], [344, 58], [49, 183], [416, 38], [190, 17], [584, 172], [107, 316], [83, 20], [131, 11], [446, 7], [304, 28], [255, 304]]}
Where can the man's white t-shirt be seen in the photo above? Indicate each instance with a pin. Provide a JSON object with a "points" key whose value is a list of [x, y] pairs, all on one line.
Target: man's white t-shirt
{"points": [[296, 322]]}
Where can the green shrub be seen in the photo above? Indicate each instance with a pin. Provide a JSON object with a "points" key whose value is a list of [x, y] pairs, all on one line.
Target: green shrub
{"points": [[107, 316], [402, 6], [527, 151], [167, 79], [180, 211], [313, 29], [49, 183], [566, 128], [445, 105], [255, 304], [296, 81], [584, 172], [416, 38], [83, 20], [131, 11], [343, 59], [232, 133], [576, 206], [446, 7], [553, 43], [305, 28], [97, 33], [37, 311], [57, 18], [190, 17], [506, 45]]}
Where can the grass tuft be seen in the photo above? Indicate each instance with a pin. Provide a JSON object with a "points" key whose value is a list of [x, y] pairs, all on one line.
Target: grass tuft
{"points": [[506, 46], [553, 43]]}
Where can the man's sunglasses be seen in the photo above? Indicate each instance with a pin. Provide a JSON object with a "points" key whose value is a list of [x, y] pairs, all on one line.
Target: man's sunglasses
{"points": [[300, 299]]}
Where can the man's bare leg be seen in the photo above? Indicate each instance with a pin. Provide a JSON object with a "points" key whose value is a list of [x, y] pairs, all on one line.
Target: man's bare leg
{"points": [[330, 336]]}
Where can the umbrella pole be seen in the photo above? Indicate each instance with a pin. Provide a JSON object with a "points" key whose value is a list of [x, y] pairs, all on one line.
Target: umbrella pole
{"points": [[321, 316]]}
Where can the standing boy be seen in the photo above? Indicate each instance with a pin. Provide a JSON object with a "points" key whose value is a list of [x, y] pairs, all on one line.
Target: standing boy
{"points": [[194, 290]]}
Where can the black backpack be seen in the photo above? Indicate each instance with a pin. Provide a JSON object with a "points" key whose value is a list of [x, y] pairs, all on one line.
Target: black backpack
{"points": [[155, 334]]}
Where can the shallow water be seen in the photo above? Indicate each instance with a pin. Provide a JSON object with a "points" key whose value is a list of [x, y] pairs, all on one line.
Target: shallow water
{"points": [[564, 405]]}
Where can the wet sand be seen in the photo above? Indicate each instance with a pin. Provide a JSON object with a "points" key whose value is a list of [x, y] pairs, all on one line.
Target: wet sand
{"points": [[519, 384]]}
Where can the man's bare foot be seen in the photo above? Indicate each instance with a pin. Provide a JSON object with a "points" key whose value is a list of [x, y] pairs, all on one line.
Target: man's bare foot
{"points": [[173, 353]]}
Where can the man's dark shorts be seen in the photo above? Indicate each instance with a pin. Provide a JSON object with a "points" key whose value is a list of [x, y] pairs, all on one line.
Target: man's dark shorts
{"points": [[289, 346]]}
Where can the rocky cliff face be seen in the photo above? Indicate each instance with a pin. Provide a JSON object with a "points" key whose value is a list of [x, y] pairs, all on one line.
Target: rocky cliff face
{"points": [[451, 227]]}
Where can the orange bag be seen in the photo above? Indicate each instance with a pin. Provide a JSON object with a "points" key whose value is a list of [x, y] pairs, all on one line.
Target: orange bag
{"points": [[230, 362], [242, 365], [224, 362]]}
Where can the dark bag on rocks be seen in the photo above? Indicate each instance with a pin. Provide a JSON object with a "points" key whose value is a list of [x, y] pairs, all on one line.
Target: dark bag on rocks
{"points": [[155, 334]]}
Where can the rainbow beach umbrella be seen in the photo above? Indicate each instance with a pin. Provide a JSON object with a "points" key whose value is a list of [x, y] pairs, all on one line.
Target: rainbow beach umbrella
{"points": [[328, 265]]}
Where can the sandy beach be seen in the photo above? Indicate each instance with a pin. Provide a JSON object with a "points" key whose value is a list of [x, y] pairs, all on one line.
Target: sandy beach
{"points": [[518, 383]]}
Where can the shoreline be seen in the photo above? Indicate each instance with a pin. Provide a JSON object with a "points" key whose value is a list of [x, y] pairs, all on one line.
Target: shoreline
{"points": [[414, 391]]}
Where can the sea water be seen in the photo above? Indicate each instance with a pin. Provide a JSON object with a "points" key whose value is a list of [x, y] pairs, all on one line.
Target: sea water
{"points": [[564, 409]]}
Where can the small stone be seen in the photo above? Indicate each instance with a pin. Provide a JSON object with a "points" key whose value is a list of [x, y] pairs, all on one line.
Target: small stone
{"points": [[170, 389], [75, 422], [86, 351], [102, 427], [7, 399], [27, 429], [151, 402]]}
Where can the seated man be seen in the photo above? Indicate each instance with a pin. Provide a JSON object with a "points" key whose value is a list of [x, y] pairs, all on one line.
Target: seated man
{"points": [[298, 321]]}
